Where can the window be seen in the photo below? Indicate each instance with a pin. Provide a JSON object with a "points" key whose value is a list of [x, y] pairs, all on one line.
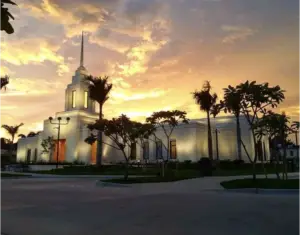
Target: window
{"points": [[35, 154], [133, 151], [73, 99], [85, 99], [28, 155], [291, 153], [173, 150], [146, 150], [158, 150]]}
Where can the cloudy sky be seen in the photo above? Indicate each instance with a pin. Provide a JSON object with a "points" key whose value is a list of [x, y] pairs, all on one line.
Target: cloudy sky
{"points": [[155, 52]]}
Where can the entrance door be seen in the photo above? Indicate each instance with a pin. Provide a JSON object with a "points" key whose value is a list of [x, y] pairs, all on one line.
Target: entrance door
{"points": [[94, 153], [62, 151]]}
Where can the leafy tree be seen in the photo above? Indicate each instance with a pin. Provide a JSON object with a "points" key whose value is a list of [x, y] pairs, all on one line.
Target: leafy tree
{"points": [[31, 134], [145, 130], [256, 98], [48, 146], [4, 81], [232, 104], [22, 136], [275, 125], [167, 120], [6, 16], [206, 102], [99, 89], [12, 131], [122, 131], [295, 128]]}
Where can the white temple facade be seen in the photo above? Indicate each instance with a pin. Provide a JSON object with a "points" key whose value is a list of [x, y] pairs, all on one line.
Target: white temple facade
{"points": [[188, 141]]}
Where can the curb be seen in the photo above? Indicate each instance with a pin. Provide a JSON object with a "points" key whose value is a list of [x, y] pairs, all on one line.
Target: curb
{"points": [[265, 191], [100, 183]]}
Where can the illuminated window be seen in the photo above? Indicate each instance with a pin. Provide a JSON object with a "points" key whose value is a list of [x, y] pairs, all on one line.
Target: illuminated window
{"points": [[173, 150], [73, 99], [158, 150], [146, 150], [85, 99]]}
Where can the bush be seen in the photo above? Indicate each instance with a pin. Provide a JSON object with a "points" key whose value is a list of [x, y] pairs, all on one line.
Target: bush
{"points": [[206, 167]]}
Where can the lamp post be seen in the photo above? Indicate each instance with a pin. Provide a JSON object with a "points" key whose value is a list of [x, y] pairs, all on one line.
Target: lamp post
{"points": [[217, 143], [59, 123]]}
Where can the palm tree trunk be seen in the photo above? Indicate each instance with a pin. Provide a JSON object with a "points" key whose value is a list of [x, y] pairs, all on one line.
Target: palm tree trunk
{"points": [[255, 157], [100, 140], [209, 138], [11, 148], [238, 138]]}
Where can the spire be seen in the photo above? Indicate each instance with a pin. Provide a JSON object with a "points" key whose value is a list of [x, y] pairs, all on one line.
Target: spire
{"points": [[81, 52]]}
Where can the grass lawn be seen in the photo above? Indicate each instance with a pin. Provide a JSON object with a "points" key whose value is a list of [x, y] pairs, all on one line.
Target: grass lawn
{"points": [[7, 175], [154, 179], [261, 183]]}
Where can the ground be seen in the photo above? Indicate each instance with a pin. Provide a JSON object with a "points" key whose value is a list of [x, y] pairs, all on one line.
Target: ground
{"points": [[198, 206]]}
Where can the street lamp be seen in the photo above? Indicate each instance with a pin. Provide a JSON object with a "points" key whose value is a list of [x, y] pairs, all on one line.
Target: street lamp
{"points": [[59, 123]]}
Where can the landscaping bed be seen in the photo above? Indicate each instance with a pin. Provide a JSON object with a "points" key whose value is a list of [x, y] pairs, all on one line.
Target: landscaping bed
{"points": [[261, 183], [8, 175], [154, 179]]}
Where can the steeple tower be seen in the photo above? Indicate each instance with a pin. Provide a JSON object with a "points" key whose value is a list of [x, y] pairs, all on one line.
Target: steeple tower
{"points": [[77, 97]]}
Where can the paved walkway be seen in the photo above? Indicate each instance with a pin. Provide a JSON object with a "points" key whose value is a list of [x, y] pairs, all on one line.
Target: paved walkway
{"points": [[76, 206]]}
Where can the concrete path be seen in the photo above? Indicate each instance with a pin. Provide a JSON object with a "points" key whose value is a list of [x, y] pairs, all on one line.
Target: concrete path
{"points": [[60, 206]]}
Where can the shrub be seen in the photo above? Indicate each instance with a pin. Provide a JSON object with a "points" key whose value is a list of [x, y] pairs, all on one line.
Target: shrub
{"points": [[206, 167]]}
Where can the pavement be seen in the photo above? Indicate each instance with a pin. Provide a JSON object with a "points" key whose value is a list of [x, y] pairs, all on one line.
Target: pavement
{"points": [[33, 206]]}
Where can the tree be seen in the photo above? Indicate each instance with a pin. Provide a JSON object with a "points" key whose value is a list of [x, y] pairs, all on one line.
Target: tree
{"points": [[145, 130], [12, 131], [295, 128], [4, 81], [22, 136], [31, 134], [122, 131], [167, 120], [275, 125], [206, 102], [6, 16], [232, 104], [256, 98], [48, 146], [99, 89]]}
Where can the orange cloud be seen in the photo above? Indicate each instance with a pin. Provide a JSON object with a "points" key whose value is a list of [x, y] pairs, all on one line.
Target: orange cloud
{"points": [[236, 33], [32, 51]]}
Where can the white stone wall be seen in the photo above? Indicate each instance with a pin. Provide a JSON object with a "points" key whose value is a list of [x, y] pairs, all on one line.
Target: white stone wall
{"points": [[27, 143]]}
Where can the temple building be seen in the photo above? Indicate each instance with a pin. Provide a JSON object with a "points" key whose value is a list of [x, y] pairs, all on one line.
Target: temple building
{"points": [[188, 141]]}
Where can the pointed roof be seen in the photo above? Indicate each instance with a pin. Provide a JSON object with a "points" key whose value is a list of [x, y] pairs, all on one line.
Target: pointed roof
{"points": [[81, 52], [81, 66]]}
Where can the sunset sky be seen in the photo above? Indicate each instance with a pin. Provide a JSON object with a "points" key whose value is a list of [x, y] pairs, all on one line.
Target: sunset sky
{"points": [[155, 52]]}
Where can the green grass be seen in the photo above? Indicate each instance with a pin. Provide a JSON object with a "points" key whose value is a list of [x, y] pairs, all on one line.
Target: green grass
{"points": [[261, 183], [154, 179], [7, 175]]}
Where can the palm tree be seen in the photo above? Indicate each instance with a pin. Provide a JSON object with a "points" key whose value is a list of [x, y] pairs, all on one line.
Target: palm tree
{"points": [[5, 17], [232, 104], [99, 89], [12, 131], [295, 127], [206, 102], [4, 81]]}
